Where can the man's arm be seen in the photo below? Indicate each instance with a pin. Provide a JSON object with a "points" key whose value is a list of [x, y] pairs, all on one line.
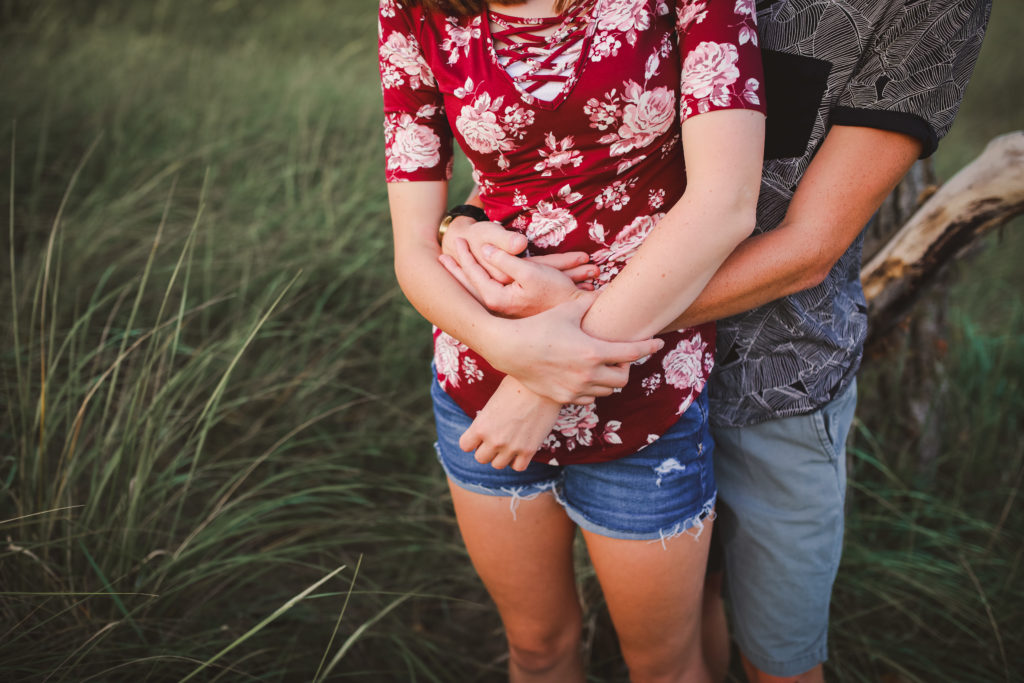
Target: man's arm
{"points": [[851, 175]]}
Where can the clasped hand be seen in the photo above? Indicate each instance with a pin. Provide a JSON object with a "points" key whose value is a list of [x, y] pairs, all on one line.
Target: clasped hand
{"points": [[549, 360]]}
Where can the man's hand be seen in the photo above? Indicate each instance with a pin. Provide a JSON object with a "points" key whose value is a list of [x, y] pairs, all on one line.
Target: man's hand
{"points": [[511, 427], [536, 283], [553, 357]]}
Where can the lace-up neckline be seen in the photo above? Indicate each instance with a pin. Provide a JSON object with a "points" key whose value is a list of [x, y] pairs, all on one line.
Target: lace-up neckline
{"points": [[532, 60]]}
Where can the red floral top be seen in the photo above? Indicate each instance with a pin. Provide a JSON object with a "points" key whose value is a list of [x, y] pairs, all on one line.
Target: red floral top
{"points": [[592, 170]]}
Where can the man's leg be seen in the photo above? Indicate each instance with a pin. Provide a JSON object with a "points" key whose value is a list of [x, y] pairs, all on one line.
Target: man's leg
{"points": [[781, 492]]}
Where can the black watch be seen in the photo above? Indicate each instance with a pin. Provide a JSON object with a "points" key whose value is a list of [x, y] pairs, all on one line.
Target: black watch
{"points": [[474, 212]]}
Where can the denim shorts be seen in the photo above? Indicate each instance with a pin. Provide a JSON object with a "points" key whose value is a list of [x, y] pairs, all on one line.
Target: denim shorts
{"points": [[665, 489], [780, 522]]}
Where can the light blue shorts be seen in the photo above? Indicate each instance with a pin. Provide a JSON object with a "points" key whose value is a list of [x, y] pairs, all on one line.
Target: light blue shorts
{"points": [[782, 486], [663, 490]]}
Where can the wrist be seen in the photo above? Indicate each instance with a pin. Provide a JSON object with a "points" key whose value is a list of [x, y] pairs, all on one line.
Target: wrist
{"points": [[470, 210], [513, 384], [496, 337], [457, 227]]}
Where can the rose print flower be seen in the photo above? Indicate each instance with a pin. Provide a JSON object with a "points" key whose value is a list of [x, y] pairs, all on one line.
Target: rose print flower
{"points": [[646, 116], [604, 45], [459, 37], [479, 126], [452, 365], [616, 195], [549, 225], [628, 16], [516, 120], [446, 359], [627, 240], [710, 69], [684, 365], [637, 119], [403, 54], [691, 12], [557, 155], [603, 115], [656, 199], [574, 423], [412, 145]]}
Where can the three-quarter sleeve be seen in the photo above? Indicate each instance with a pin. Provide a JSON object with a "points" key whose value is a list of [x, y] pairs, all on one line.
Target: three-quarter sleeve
{"points": [[417, 138], [721, 61], [915, 74]]}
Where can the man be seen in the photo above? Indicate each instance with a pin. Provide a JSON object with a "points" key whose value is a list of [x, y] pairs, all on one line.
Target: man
{"points": [[857, 90]]}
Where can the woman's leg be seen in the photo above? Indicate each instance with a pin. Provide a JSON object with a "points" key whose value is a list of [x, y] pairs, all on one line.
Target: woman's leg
{"points": [[647, 522], [654, 591], [526, 564]]}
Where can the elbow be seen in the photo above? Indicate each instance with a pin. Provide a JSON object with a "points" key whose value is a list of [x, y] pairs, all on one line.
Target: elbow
{"points": [[815, 271], [811, 277], [735, 208], [738, 219], [402, 271]]}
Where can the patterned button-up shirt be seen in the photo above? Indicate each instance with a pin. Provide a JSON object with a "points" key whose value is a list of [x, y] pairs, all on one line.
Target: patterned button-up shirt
{"points": [[899, 65]]}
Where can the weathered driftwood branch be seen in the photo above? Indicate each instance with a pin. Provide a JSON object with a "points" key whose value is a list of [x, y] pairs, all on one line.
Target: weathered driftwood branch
{"points": [[985, 194]]}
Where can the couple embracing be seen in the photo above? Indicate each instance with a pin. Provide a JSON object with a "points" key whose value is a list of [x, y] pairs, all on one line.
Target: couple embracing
{"points": [[627, 197]]}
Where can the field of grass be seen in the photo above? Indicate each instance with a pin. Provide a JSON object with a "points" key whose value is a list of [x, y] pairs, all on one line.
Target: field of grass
{"points": [[215, 436]]}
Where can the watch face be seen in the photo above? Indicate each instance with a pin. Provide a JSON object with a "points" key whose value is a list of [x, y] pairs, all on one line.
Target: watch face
{"points": [[469, 210]]}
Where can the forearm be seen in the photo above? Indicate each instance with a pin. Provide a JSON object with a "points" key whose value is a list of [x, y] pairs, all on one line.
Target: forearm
{"points": [[547, 352], [416, 209], [761, 269], [681, 253], [675, 262], [851, 175]]}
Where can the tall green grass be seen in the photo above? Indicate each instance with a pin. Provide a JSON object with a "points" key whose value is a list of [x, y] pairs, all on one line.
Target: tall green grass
{"points": [[214, 404]]}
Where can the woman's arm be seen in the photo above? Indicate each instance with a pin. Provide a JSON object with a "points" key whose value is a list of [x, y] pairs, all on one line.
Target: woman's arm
{"points": [[548, 352], [723, 153], [846, 182]]}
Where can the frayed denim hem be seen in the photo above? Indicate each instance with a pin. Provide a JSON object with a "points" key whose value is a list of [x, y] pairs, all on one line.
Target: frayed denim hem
{"points": [[516, 494], [691, 526]]}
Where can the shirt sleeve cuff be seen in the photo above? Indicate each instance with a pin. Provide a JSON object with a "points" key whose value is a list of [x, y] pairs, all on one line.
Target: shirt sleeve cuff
{"points": [[896, 121]]}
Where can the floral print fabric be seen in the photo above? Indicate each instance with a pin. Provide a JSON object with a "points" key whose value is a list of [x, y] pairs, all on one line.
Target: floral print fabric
{"points": [[593, 170]]}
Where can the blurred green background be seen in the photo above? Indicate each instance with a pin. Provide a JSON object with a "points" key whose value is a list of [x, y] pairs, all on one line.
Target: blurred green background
{"points": [[215, 435]]}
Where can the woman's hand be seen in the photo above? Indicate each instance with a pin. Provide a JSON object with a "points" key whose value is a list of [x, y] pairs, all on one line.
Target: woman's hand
{"points": [[535, 284], [511, 427], [478, 235], [553, 357]]}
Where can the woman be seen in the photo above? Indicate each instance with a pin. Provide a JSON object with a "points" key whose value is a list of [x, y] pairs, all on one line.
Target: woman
{"points": [[575, 115]]}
